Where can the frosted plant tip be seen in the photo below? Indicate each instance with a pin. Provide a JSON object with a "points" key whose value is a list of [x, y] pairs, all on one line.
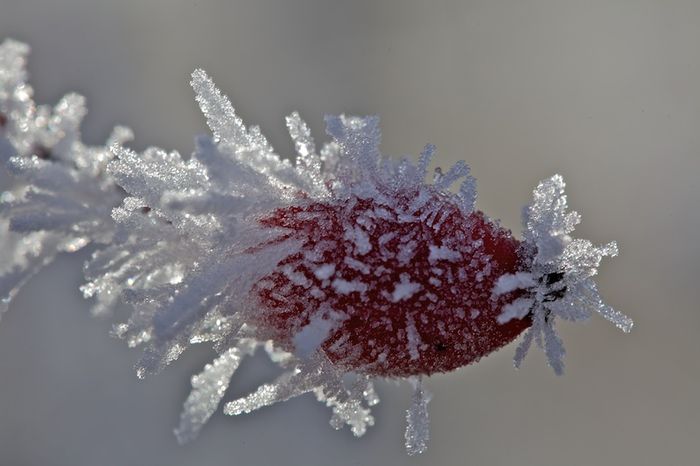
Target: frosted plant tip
{"points": [[346, 266]]}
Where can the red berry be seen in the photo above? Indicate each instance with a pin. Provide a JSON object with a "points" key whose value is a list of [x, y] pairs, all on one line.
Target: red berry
{"points": [[411, 294]]}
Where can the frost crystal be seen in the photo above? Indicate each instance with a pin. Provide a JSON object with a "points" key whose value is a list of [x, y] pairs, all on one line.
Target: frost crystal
{"points": [[208, 389], [346, 265], [560, 278]]}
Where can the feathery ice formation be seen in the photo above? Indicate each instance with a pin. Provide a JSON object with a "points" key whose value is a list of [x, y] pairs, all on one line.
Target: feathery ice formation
{"points": [[345, 266]]}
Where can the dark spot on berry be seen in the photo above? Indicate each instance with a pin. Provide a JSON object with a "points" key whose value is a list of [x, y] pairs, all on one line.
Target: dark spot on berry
{"points": [[43, 152], [440, 347], [3, 120], [145, 210]]}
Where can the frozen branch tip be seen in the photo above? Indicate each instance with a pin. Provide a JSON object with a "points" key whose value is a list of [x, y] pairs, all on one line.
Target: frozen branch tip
{"points": [[344, 265]]}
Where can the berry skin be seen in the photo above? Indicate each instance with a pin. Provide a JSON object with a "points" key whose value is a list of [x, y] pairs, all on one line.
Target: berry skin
{"points": [[404, 295]]}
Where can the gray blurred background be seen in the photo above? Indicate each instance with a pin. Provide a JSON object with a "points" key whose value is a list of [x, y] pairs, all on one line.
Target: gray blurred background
{"points": [[607, 93]]}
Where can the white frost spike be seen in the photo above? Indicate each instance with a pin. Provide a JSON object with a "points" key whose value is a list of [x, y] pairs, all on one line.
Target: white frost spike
{"points": [[302, 379], [359, 140], [511, 282], [247, 145], [308, 161], [546, 224], [208, 388], [467, 190], [423, 161], [21, 256], [457, 171], [13, 62], [318, 375], [560, 282], [517, 309], [220, 115], [467, 194], [417, 419]]}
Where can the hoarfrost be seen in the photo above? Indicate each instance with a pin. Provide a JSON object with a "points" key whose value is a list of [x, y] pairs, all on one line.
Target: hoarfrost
{"points": [[357, 265], [412, 337], [508, 283], [325, 271], [350, 406], [404, 289], [180, 240], [358, 236], [346, 287], [438, 253], [312, 335]]}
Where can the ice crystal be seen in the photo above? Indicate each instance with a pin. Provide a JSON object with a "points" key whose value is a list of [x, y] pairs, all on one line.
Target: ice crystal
{"points": [[208, 389], [346, 265], [559, 282]]}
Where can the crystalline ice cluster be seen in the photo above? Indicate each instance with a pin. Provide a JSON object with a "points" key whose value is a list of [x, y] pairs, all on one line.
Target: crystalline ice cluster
{"points": [[345, 265]]}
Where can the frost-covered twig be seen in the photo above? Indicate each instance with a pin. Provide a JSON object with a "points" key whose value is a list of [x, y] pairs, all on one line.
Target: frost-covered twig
{"points": [[347, 266]]}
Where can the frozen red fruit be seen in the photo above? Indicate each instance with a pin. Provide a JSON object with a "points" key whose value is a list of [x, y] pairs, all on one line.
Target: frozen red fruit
{"points": [[398, 293]]}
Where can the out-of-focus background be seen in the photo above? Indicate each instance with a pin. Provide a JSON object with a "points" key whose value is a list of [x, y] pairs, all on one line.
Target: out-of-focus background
{"points": [[605, 92]]}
